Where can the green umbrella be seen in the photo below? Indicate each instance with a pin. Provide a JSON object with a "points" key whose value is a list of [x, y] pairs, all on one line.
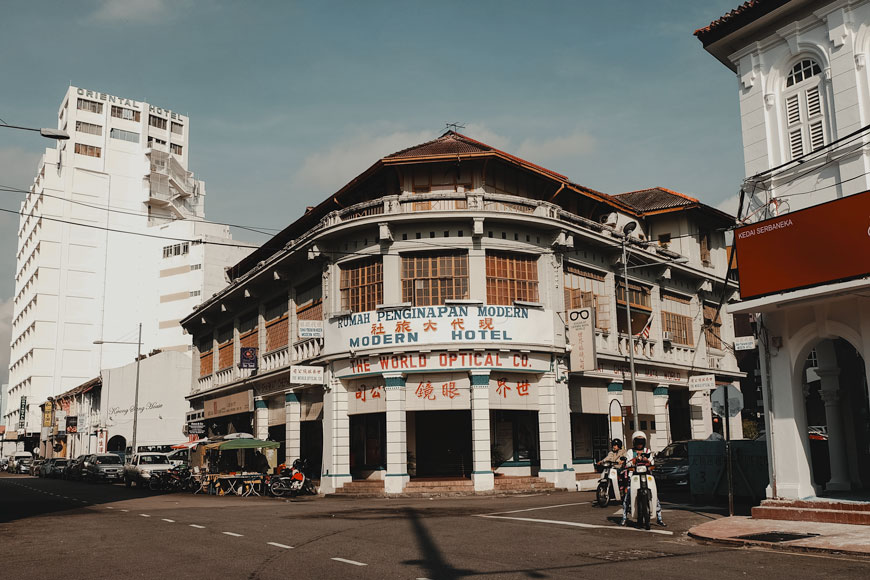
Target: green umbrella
{"points": [[244, 444]]}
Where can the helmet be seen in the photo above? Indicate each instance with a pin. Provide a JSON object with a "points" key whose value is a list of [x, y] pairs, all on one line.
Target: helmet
{"points": [[637, 438], [617, 442]]}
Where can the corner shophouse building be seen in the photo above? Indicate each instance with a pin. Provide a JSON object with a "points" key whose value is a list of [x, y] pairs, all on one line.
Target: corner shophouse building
{"points": [[414, 325]]}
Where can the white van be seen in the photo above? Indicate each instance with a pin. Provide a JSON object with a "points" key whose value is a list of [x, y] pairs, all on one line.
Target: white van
{"points": [[16, 457]]}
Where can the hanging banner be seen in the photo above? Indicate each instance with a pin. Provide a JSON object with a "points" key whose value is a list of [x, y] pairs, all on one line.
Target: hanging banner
{"points": [[22, 414], [581, 337], [46, 414], [72, 424]]}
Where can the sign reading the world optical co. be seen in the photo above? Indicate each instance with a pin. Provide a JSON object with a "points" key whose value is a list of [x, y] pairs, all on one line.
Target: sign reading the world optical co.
{"points": [[439, 325]]}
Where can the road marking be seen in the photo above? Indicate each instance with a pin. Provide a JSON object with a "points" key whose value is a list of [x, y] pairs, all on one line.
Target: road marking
{"points": [[233, 534], [170, 521], [197, 527], [125, 510], [577, 524], [277, 545], [145, 515], [546, 507], [353, 562], [108, 507]]}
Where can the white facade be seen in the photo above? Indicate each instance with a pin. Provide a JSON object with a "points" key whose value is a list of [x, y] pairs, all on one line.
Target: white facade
{"points": [[81, 276], [804, 101]]}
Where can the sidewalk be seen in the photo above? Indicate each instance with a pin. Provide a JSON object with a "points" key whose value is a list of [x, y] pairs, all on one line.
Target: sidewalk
{"points": [[828, 538]]}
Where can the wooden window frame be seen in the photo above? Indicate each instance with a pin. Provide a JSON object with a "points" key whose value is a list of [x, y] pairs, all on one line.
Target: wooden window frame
{"points": [[223, 348], [118, 113], [361, 284], [635, 289], [587, 297], [511, 276], [713, 327], [160, 123], [432, 278], [87, 150]]}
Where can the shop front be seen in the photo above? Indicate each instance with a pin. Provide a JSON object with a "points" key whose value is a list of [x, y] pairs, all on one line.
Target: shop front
{"points": [[228, 414]]}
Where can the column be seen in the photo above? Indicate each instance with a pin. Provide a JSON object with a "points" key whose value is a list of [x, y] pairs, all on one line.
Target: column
{"points": [[830, 392], [481, 447], [701, 414], [293, 425], [554, 422], [662, 435], [397, 439], [261, 418], [617, 424], [735, 423], [336, 436]]}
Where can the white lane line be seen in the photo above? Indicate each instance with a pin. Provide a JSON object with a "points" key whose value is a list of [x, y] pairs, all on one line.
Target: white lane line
{"points": [[197, 527], [352, 562], [546, 507], [145, 515], [233, 534], [108, 507], [125, 510], [578, 525], [166, 520], [277, 545]]}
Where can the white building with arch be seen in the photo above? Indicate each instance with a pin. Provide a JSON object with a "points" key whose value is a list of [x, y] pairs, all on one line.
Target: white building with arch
{"points": [[804, 93]]}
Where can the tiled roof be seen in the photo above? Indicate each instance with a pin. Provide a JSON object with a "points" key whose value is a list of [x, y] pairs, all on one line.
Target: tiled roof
{"points": [[736, 19], [450, 143], [656, 199]]}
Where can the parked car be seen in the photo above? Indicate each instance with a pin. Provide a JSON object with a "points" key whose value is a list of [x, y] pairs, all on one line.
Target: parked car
{"points": [[35, 467], [74, 469], [57, 467], [672, 465], [45, 468], [22, 465], [102, 467], [15, 458], [141, 466]]}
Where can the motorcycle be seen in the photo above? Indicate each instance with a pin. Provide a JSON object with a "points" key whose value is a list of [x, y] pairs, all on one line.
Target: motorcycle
{"points": [[644, 496], [609, 487], [291, 481]]}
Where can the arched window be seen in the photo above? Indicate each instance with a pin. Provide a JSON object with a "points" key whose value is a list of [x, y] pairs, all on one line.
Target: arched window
{"points": [[804, 112]]}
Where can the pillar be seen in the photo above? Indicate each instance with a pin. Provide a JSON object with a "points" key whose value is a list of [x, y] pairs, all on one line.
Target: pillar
{"points": [[662, 435], [336, 436], [830, 392], [293, 425], [481, 446], [617, 424], [554, 425], [397, 439], [261, 418]]}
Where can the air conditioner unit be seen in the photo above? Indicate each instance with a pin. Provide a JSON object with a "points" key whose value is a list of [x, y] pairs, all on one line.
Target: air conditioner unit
{"points": [[666, 336]]}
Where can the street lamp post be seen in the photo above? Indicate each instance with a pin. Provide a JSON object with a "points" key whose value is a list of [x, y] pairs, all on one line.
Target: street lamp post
{"points": [[136, 391], [58, 134]]}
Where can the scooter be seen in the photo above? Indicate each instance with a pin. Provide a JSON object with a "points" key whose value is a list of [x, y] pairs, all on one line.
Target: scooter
{"points": [[608, 486], [644, 496], [291, 481]]}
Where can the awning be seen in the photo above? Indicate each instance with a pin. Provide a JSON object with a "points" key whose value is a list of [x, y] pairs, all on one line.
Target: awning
{"points": [[243, 444]]}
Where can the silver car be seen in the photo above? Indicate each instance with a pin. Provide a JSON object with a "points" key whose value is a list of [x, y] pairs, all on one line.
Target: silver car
{"points": [[103, 467]]}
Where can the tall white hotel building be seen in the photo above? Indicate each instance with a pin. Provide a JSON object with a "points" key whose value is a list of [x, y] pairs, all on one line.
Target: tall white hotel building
{"points": [[81, 276]]}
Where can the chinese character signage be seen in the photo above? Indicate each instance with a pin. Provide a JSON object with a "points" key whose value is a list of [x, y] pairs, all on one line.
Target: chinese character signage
{"points": [[507, 325], [248, 357], [437, 392], [581, 337], [46, 414], [366, 396], [229, 405], [512, 391], [72, 424], [306, 375], [309, 328], [22, 414]]}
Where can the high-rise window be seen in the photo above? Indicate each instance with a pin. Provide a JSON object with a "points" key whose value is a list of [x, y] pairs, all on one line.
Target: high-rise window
{"points": [[92, 106], [433, 278], [125, 113], [177, 128], [158, 122], [124, 135], [585, 288], [677, 317], [88, 128], [511, 277], [174, 148], [89, 150], [176, 250], [804, 110], [362, 285]]}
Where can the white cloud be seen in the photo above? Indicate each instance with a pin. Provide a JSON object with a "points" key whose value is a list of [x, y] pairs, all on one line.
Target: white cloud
{"points": [[542, 151], [5, 335], [130, 11]]}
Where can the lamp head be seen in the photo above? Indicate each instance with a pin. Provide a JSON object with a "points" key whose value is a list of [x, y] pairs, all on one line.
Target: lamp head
{"points": [[629, 227]]}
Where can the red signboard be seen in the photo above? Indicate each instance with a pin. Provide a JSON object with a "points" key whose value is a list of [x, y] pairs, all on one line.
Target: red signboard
{"points": [[823, 243]]}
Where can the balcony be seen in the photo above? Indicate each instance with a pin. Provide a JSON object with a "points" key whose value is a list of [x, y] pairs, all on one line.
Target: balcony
{"points": [[205, 383], [180, 181], [275, 360], [307, 349]]}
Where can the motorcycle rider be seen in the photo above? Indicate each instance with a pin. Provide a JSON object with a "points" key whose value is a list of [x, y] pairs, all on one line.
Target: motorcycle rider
{"points": [[639, 452], [617, 453]]}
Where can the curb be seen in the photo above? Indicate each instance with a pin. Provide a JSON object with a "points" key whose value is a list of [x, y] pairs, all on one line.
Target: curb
{"points": [[784, 547]]}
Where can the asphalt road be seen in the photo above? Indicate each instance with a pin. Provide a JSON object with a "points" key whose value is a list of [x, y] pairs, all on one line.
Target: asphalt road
{"points": [[70, 530]]}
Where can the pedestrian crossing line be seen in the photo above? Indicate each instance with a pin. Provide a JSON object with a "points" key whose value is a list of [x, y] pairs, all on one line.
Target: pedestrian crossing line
{"points": [[145, 515], [277, 545], [197, 527], [352, 562], [233, 534], [167, 520]]}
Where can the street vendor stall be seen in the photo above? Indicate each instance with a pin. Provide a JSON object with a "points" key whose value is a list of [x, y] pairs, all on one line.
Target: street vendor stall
{"points": [[242, 473]]}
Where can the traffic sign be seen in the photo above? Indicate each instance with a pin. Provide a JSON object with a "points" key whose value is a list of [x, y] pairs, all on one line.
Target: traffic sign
{"points": [[734, 403]]}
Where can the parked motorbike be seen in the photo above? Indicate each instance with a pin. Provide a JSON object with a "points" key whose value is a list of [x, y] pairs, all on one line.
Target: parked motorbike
{"points": [[644, 496], [609, 486], [292, 481]]}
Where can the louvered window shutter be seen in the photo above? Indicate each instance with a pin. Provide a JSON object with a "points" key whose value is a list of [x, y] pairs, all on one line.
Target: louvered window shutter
{"points": [[814, 105], [795, 143], [793, 110]]}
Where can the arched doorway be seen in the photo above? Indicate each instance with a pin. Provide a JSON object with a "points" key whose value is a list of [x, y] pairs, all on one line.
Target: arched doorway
{"points": [[116, 443], [837, 417]]}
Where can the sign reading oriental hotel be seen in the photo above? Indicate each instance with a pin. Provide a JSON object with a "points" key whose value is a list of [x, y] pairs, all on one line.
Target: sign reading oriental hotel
{"points": [[447, 325]]}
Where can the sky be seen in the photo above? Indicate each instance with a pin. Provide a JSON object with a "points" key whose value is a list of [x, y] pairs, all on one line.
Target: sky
{"points": [[288, 101]]}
